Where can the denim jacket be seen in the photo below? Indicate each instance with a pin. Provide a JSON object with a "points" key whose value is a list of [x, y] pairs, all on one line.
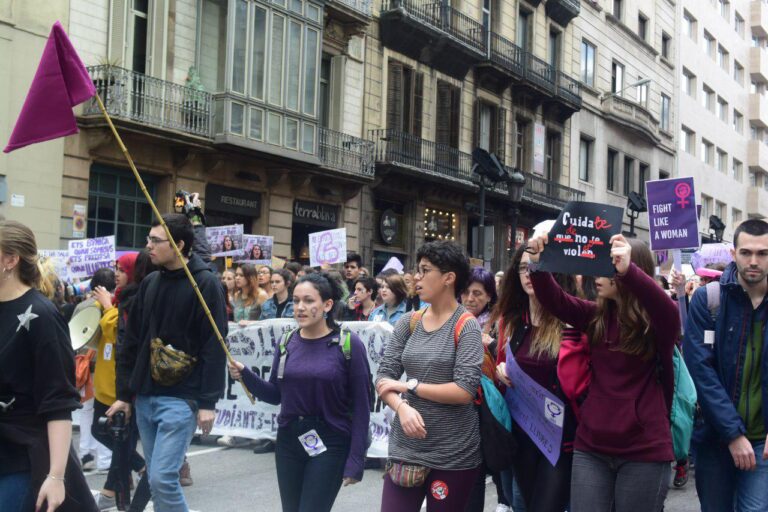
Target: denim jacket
{"points": [[269, 309], [380, 313], [717, 369]]}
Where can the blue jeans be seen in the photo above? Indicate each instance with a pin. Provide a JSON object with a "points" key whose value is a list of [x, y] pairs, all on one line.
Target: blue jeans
{"points": [[15, 495], [309, 484], [512, 490], [722, 487], [166, 426]]}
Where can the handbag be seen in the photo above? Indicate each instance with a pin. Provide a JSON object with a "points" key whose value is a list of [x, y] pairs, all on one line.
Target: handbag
{"points": [[168, 365], [407, 475]]}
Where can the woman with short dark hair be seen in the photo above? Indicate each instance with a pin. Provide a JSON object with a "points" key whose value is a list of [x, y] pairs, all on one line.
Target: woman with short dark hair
{"points": [[361, 301]]}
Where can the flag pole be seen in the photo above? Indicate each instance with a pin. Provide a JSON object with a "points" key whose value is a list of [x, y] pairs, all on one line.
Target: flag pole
{"points": [[170, 240]]}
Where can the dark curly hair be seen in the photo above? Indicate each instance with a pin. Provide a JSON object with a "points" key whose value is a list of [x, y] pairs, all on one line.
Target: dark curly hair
{"points": [[448, 257]]}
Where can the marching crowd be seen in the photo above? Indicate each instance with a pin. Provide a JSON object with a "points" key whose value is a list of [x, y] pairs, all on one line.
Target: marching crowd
{"points": [[607, 347]]}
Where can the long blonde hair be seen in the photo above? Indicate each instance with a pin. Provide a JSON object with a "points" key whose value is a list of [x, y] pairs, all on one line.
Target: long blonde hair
{"points": [[16, 239]]}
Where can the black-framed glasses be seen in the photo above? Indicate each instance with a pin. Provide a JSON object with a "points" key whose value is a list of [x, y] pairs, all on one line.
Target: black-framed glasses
{"points": [[155, 241]]}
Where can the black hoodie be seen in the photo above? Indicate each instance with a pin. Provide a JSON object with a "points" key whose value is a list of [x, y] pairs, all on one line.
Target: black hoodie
{"points": [[176, 317]]}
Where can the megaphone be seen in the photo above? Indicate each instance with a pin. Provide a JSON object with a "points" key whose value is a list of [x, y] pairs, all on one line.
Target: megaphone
{"points": [[84, 328]]}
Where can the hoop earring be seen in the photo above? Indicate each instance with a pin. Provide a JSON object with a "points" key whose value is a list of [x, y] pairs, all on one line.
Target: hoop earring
{"points": [[325, 315]]}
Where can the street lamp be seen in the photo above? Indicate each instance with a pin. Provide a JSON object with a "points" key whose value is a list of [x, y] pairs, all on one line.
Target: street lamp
{"points": [[716, 228], [636, 205], [515, 186], [604, 96], [487, 167]]}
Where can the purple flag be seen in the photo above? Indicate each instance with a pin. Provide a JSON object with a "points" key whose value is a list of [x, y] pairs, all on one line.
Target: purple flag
{"points": [[673, 221], [61, 82]]}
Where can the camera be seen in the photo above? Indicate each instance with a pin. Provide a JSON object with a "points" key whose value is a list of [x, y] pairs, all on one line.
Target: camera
{"points": [[116, 428]]}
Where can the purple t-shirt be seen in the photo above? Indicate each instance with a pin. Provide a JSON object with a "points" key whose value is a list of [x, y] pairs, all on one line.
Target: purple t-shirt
{"points": [[318, 381]]}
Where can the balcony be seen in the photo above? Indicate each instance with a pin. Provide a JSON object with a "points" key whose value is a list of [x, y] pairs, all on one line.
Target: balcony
{"points": [[569, 91], [633, 116], [758, 110], [433, 33], [563, 11], [150, 102], [757, 156], [757, 202], [758, 19], [352, 15], [345, 153], [758, 64], [541, 191]]}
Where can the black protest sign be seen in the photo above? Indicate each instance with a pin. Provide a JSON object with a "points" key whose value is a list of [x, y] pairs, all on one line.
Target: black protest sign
{"points": [[579, 242]]}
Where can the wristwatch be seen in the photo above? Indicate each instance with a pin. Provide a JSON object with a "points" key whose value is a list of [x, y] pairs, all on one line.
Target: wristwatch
{"points": [[412, 385]]}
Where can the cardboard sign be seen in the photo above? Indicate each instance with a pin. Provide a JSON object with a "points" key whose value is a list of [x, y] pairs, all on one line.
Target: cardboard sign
{"points": [[579, 241], [58, 258], [89, 255], [225, 240], [257, 249], [328, 247], [672, 216]]}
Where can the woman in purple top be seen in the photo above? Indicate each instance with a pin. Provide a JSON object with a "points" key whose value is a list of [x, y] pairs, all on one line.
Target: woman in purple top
{"points": [[623, 445], [324, 401]]}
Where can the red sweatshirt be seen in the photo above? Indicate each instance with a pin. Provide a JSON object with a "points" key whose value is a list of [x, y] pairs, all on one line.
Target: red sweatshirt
{"points": [[626, 412]]}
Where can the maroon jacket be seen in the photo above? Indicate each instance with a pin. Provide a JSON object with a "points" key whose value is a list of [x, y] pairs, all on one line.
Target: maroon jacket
{"points": [[626, 412]]}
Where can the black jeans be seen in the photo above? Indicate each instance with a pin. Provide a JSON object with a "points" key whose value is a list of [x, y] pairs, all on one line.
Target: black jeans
{"points": [[309, 483], [545, 488], [130, 455]]}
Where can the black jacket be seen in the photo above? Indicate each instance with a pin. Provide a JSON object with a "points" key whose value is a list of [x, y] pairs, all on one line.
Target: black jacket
{"points": [[174, 314]]}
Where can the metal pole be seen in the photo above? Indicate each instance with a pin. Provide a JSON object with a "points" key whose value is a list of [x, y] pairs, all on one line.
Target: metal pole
{"points": [[481, 229], [513, 227], [170, 239]]}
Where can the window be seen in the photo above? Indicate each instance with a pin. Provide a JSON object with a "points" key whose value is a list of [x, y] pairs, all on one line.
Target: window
{"points": [[689, 83], [666, 45], [617, 78], [588, 63], [722, 109], [490, 128], [707, 151], [642, 93], [735, 217], [736, 170], [722, 58], [613, 161], [665, 111], [738, 24], [738, 72], [213, 44], [629, 171], [642, 177], [447, 113], [404, 99], [708, 98], [721, 210], [554, 49], [552, 156], [617, 5], [523, 39], [585, 158], [689, 25], [706, 206], [642, 27], [725, 8], [722, 161], [752, 179], [709, 44], [687, 140], [738, 122], [522, 136], [116, 206]]}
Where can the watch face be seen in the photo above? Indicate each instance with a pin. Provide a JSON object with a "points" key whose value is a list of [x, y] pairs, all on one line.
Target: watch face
{"points": [[411, 384]]}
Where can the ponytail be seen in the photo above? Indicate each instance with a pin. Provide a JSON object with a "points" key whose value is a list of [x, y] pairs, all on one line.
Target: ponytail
{"points": [[17, 239]]}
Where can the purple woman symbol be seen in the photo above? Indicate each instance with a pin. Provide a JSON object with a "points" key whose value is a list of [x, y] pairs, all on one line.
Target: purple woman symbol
{"points": [[682, 191]]}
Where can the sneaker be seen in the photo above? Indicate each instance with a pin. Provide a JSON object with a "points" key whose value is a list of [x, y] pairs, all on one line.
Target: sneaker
{"points": [[87, 462], [264, 446], [105, 502], [502, 508], [681, 475], [185, 475], [233, 441]]}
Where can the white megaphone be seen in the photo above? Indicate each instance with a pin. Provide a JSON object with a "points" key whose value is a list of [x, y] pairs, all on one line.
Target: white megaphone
{"points": [[84, 328]]}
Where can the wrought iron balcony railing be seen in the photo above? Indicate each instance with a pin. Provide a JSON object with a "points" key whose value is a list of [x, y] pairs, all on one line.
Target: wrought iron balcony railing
{"points": [[539, 189], [539, 72], [158, 103], [444, 18], [346, 153], [569, 88], [507, 54], [361, 6]]}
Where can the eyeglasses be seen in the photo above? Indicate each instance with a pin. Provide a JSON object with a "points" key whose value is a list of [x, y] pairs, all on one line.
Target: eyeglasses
{"points": [[264, 272], [153, 240], [523, 269], [422, 271]]}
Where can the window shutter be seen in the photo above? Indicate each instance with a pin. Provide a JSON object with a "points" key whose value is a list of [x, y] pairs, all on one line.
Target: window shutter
{"points": [[418, 104], [157, 38], [443, 115], [455, 116], [501, 135], [118, 17], [395, 96], [476, 131], [338, 86]]}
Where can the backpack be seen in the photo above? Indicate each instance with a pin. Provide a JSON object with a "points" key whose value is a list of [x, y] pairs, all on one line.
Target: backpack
{"points": [[683, 410], [344, 342], [497, 441]]}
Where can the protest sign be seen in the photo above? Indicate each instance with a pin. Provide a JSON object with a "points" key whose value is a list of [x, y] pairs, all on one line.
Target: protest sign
{"points": [[257, 249], [225, 240], [579, 241], [255, 346], [89, 255], [672, 216], [328, 247], [537, 411], [58, 258]]}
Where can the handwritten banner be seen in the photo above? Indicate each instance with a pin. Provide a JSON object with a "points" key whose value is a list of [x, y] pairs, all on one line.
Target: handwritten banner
{"points": [[255, 347], [89, 255], [672, 215], [537, 411], [257, 249], [328, 247], [579, 241], [225, 240], [58, 258]]}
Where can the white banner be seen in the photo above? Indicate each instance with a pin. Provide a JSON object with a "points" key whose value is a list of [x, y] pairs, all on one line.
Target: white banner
{"points": [[255, 347]]}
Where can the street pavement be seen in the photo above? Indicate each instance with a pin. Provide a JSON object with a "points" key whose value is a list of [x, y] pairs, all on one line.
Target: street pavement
{"points": [[236, 479]]}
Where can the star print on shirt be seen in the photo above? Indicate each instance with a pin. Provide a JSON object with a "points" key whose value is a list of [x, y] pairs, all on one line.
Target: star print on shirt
{"points": [[25, 318]]}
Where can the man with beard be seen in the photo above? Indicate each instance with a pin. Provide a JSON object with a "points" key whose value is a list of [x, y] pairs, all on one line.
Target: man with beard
{"points": [[725, 350]]}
